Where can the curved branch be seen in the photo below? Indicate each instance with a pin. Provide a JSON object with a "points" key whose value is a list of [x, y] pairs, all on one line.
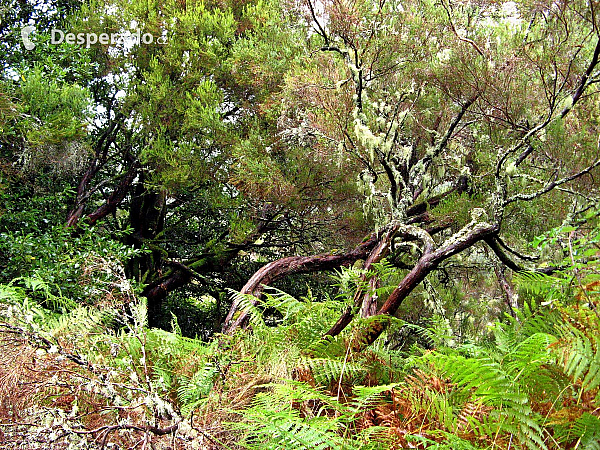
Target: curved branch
{"points": [[496, 247], [505, 246], [377, 254], [182, 274], [550, 186], [429, 261], [117, 196], [292, 265]]}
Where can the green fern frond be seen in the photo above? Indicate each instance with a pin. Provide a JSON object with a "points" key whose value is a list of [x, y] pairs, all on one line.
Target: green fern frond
{"points": [[529, 320], [194, 391], [452, 442], [286, 430], [81, 322], [369, 396], [580, 355], [587, 430], [245, 303], [271, 422], [499, 387], [539, 284], [287, 305], [325, 371], [326, 347]]}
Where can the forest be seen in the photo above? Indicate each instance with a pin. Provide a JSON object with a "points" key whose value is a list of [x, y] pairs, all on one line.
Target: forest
{"points": [[300, 224]]}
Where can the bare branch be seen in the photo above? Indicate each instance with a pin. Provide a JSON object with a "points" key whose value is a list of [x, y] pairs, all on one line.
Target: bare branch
{"points": [[583, 82], [551, 185], [461, 38], [514, 252], [443, 142]]}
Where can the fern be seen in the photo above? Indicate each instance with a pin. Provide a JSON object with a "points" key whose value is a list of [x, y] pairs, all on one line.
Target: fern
{"points": [[452, 443], [539, 284], [326, 347], [581, 357], [294, 415], [246, 303], [287, 430], [325, 371], [497, 386], [55, 302], [194, 391], [368, 395], [284, 303], [529, 320], [272, 423], [587, 429]]}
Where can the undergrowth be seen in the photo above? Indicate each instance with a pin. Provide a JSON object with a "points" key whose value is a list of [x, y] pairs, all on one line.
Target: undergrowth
{"points": [[97, 377]]}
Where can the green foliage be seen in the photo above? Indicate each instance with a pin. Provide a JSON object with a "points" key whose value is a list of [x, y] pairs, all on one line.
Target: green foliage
{"points": [[579, 349], [452, 443], [240, 120], [534, 387], [273, 422], [53, 119], [194, 391], [74, 268]]}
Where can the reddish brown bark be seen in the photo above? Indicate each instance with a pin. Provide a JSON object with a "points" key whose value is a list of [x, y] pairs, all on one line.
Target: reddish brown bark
{"points": [[101, 154], [377, 254], [181, 274], [428, 262], [374, 250], [293, 265], [114, 200]]}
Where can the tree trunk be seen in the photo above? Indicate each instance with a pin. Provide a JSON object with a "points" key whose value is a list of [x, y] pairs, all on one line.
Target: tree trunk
{"points": [[360, 298], [147, 215], [118, 195], [293, 265], [100, 156], [181, 274], [369, 303], [429, 261]]}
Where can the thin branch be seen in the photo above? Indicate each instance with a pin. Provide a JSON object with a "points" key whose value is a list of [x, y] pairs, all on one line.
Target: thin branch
{"points": [[514, 252], [551, 185], [492, 242], [461, 38], [583, 82]]}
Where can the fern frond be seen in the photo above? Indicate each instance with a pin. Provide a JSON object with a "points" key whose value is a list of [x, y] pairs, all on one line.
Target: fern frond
{"points": [[580, 355], [193, 392], [452, 443], [538, 284], [245, 303], [326, 347], [587, 430], [288, 306], [368, 396], [287, 430], [325, 371]]}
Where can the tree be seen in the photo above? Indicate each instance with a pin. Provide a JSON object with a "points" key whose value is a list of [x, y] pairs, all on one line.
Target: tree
{"points": [[179, 143], [492, 107]]}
